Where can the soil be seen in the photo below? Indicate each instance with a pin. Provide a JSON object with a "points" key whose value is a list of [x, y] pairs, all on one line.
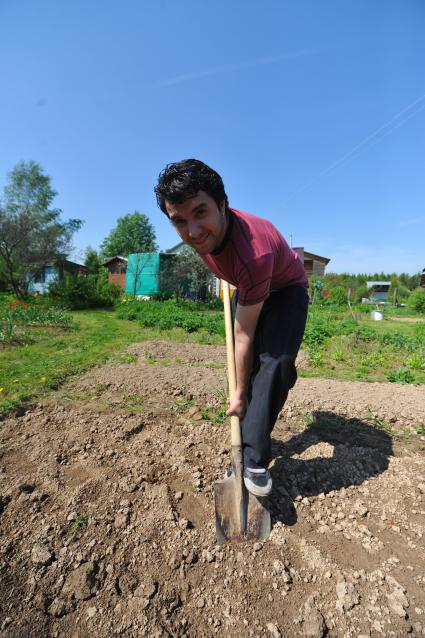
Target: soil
{"points": [[107, 510]]}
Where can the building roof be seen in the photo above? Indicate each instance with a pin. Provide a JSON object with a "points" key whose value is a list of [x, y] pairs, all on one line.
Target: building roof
{"points": [[370, 284], [112, 259], [308, 255], [177, 248]]}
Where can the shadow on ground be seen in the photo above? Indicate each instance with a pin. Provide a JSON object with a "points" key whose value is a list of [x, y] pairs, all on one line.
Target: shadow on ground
{"points": [[331, 454]]}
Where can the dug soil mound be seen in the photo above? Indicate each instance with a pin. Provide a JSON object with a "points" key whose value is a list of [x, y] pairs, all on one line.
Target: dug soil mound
{"points": [[107, 511]]}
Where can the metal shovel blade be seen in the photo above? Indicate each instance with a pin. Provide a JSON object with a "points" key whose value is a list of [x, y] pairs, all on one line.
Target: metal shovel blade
{"points": [[239, 515], [230, 509]]}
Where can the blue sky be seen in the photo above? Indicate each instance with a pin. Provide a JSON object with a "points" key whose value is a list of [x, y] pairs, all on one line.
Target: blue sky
{"points": [[312, 111]]}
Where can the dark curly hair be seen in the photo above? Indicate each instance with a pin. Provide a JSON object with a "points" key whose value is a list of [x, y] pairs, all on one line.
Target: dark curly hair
{"points": [[182, 180]]}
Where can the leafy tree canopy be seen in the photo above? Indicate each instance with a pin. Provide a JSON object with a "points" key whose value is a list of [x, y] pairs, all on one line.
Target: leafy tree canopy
{"points": [[133, 233], [92, 260], [184, 273], [31, 231]]}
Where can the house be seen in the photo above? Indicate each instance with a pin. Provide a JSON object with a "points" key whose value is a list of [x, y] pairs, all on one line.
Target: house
{"points": [[178, 248], [117, 269], [379, 290], [313, 264], [54, 271], [422, 279]]}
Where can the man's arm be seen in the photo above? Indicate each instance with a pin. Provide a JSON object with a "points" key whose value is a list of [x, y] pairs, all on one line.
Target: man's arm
{"points": [[245, 323]]}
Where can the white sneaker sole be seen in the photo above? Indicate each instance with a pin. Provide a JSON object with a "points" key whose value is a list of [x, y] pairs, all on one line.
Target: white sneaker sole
{"points": [[255, 489]]}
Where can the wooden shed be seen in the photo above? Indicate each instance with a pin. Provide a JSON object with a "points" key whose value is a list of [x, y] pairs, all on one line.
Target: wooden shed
{"points": [[117, 269], [313, 264]]}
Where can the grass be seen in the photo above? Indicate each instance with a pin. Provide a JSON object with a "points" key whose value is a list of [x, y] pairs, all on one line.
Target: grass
{"points": [[182, 404], [29, 370], [80, 521], [338, 347], [363, 349]]}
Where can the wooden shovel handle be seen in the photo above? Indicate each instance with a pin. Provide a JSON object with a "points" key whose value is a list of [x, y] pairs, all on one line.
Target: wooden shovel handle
{"points": [[235, 427]]}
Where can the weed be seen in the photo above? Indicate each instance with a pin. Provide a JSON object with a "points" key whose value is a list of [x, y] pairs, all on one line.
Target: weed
{"points": [[364, 333], [183, 404], [219, 415], [339, 355], [378, 422], [402, 375], [420, 429], [416, 362], [79, 522], [133, 403], [315, 357], [100, 388], [127, 357], [150, 358], [39, 543], [372, 360], [362, 371], [308, 419]]}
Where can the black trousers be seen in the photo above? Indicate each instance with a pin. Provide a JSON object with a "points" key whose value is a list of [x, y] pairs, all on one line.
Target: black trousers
{"points": [[277, 339]]}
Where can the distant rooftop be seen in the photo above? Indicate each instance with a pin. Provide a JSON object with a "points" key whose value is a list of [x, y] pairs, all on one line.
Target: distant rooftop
{"points": [[370, 284], [112, 259]]}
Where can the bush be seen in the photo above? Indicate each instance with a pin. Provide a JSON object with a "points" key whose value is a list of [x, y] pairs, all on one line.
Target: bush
{"points": [[361, 292], [79, 291], [416, 300], [338, 296]]}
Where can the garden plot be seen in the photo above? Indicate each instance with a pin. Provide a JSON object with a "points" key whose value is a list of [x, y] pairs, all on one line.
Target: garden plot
{"points": [[107, 513]]}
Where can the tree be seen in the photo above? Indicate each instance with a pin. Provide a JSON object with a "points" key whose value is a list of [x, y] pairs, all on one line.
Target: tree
{"points": [[133, 234], [31, 231], [186, 272], [92, 260]]}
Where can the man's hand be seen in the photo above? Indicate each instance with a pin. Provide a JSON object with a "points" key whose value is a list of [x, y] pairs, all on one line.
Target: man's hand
{"points": [[236, 406]]}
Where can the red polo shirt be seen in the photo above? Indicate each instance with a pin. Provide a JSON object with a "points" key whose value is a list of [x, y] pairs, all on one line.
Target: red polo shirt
{"points": [[255, 258]]}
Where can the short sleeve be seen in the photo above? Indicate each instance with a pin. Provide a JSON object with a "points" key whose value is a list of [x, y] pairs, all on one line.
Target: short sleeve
{"points": [[255, 277]]}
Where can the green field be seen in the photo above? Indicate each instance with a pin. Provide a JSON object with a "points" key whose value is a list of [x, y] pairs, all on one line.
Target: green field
{"points": [[336, 345], [340, 346]]}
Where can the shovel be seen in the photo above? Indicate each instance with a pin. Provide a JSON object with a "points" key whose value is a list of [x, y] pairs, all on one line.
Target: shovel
{"points": [[239, 515]]}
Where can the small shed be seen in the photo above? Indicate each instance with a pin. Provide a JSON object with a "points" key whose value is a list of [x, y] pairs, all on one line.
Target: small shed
{"points": [[143, 273], [117, 269], [379, 290]]}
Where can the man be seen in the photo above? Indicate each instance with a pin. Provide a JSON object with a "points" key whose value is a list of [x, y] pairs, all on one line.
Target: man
{"points": [[272, 301]]}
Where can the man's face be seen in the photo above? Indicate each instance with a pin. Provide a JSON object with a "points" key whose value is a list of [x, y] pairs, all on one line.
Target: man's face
{"points": [[199, 222]]}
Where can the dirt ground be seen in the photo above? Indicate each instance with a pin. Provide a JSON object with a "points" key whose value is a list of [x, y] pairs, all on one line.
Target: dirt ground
{"points": [[107, 512]]}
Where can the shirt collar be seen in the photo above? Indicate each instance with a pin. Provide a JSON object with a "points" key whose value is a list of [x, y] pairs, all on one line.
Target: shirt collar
{"points": [[230, 217]]}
